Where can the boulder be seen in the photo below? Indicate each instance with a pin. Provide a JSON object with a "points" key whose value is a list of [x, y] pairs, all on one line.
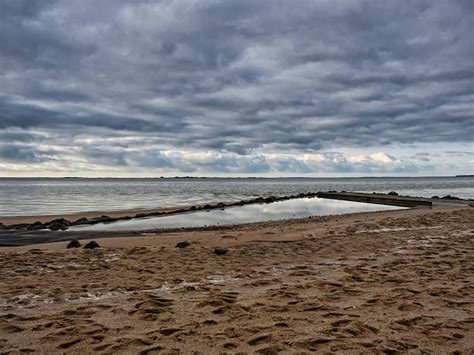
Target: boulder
{"points": [[104, 219], [60, 220], [182, 245], [73, 244], [449, 197], [36, 226], [92, 245], [220, 251], [392, 193], [271, 199], [58, 224], [82, 220]]}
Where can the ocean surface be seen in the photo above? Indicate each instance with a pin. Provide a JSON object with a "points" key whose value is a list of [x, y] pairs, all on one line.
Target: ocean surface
{"points": [[56, 196]]}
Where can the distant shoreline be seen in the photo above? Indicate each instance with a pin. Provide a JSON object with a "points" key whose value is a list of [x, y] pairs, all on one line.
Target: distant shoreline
{"points": [[231, 177]]}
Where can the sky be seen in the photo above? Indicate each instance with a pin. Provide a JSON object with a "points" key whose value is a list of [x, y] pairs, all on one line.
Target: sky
{"points": [[236, 88]]}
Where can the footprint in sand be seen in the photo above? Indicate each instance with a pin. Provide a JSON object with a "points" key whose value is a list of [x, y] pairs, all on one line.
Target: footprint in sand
{"points": [[152, 307]]}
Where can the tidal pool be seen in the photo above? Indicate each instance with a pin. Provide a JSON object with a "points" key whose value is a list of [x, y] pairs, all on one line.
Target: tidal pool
{"points": [[297, 208]]}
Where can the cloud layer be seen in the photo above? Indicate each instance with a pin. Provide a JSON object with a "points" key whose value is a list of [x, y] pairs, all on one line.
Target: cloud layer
{"points": [[241, 87]]}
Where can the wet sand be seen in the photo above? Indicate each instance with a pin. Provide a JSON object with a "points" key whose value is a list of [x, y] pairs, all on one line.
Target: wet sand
{"points": [[382, 282]]}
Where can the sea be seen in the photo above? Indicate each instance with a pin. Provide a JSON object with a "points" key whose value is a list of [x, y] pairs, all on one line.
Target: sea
{"points": [[45, 196]]}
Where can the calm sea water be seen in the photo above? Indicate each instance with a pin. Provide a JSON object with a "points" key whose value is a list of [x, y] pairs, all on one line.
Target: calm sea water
{"points": [[55, 196]]}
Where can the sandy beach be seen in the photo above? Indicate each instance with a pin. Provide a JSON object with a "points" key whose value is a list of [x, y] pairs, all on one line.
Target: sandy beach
{"points": [[383, 282]]}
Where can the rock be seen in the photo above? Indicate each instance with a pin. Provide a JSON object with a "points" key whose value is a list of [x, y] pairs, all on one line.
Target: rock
{"points": [[58, 224], [449, 197], [36, 226], [271, 199], [92, 245], [192, 208], [103, 219], [82, 220], [392, 193], [60, 220], [182, 245], [220, 204], [435, 197], [220, 251], [73, 244]]}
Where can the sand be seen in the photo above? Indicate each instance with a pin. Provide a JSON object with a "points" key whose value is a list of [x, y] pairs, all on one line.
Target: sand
{"points": [[382, 282]]}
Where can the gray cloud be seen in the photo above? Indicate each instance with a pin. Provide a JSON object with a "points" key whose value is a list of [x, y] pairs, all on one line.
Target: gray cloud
{"points": [[241, 80]]}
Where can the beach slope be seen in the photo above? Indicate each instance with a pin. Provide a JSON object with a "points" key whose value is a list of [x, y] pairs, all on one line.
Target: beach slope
{"points": [[361, 283]]}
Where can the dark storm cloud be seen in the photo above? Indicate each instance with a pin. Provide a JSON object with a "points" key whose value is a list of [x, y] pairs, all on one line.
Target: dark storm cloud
{"points": [[24, 153], [18, 153], [239, 77]]}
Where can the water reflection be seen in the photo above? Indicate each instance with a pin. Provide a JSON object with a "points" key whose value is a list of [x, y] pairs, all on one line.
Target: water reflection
{"points": [[298, 208]]}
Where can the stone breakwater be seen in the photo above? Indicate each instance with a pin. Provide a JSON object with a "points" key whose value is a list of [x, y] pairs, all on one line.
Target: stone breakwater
{"points": [[64, 224], [391, 198]]}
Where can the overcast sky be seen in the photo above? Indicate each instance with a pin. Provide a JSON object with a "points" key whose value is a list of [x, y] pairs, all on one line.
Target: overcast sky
{"points": [[236, 87]]}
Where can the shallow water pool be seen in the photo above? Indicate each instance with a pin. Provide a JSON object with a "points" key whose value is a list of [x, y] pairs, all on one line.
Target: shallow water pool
{"points": [[297, 208]]}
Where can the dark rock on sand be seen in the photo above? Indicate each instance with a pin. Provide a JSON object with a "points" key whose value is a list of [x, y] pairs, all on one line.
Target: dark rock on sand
{"points": [[182, 245], [58, 224], [60, 220], [57, 227], [220, 204], [392, 193], [449, 197], [220, 251], [435, 197], [82, 220], [36, 226], [73, 244], [271, 199], [92, 245], [103, 219]]}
